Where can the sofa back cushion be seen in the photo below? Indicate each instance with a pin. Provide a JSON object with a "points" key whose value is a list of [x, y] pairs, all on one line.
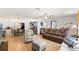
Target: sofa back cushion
{"points": [[58, 32]]}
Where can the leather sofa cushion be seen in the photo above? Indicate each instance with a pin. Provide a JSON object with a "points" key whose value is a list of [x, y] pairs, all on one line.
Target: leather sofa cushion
{"points": [[54, 38]]}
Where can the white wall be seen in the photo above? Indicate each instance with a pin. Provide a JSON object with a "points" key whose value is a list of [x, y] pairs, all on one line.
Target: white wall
{"points": [[60, 22], [6, 22], [67, 19], [14, 22]]}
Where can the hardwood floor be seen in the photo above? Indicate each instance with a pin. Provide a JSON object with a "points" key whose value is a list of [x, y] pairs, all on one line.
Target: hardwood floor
{"points": [[17, 44]]}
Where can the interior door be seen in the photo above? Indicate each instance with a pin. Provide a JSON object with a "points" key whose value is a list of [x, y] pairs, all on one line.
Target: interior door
{"points": [[53, 24]]}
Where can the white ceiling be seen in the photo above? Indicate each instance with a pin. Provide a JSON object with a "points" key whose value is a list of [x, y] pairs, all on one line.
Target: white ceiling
{"points": [[33, 12]]}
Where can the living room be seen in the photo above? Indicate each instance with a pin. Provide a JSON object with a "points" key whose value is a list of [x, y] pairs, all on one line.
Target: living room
{"points": [[38, 29]]}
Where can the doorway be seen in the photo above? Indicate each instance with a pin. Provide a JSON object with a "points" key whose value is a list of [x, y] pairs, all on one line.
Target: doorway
{"points": [[33, 26], [22, 28], [53, 24]]}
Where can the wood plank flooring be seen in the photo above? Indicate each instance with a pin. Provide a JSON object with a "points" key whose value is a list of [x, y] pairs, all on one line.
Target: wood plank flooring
{"points": [[17, 44]]}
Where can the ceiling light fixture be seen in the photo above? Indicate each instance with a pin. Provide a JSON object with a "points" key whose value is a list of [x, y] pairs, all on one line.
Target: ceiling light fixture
{"points": [[45, 16]]}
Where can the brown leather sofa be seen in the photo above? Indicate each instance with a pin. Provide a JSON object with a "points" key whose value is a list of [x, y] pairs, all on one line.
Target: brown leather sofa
{"points": [[56, 35]]}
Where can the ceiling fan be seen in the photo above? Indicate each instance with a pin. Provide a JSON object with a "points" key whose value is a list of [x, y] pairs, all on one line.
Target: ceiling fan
{"points": [[46, 16]]}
